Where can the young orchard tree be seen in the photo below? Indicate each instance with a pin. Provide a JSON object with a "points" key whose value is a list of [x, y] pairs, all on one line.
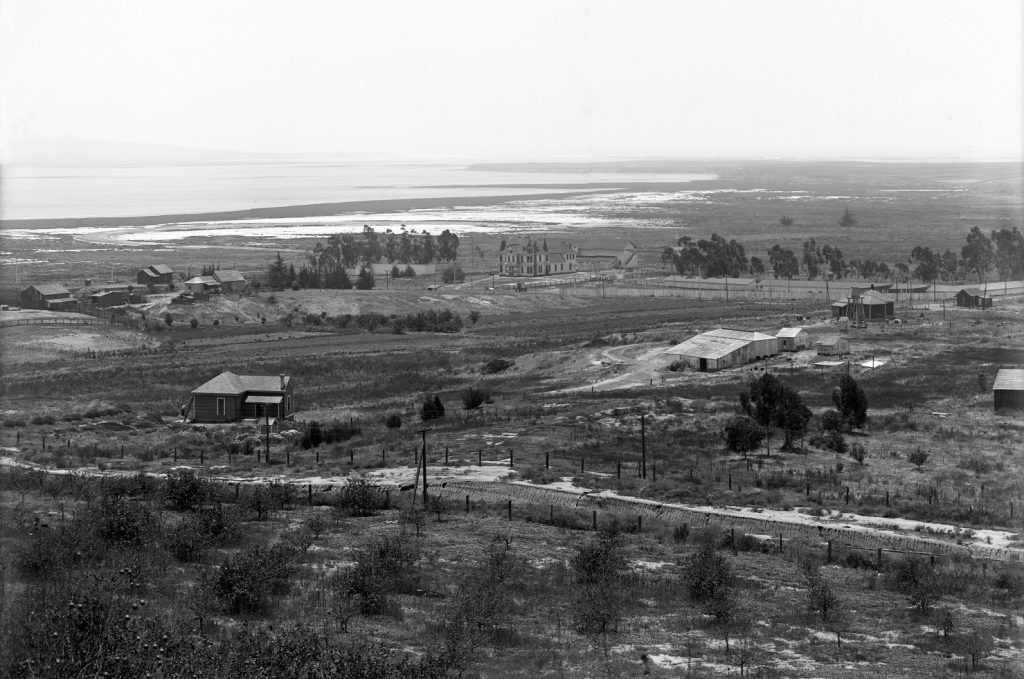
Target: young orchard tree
{"points": [[847, 221], [820, 597], [918, 458], [600, 567], [786, 221]]}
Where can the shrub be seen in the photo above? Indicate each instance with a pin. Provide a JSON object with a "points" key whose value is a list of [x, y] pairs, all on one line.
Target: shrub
{"points": [[43, 419], [706, 573], [244, 582], [14, 422], [432, 408], [393, 421], [453, 275], [359, 497], [379, 569], [820, 597], [831, 421], [193, 323], [858, 453], [976, 464], [917, 458], [185, 491], [474, 316], [497, 365], [473, 398], [168, 320], [119, 521], [187, 541], [599, 566]]}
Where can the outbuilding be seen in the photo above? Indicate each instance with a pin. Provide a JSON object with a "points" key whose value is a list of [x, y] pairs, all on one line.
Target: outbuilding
{"points": [[201, 284], [869, 306], [230, 280], [724, 348], [793, 339], [972, 298], [47, 296], [832, 345], [1008, 389], [157, 274], [229, 397]]}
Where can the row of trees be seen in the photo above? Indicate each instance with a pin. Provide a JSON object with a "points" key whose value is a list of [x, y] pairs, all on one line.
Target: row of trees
{"points": [[1002, 250]]}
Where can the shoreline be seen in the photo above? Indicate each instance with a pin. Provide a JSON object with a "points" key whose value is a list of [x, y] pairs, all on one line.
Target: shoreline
{"points": [[349, 207]]}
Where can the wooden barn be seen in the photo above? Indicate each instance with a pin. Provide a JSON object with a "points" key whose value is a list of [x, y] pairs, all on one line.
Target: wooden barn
{"points": [[793, 339], [47, 296], [230, 280], [157, 274], [229, 397], [724, 348], [1008, 389], [973, 298], [832, 345], [201, 284]]}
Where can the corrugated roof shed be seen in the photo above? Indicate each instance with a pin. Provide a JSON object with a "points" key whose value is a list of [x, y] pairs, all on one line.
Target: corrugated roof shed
{"points": [[876, 297], [789, 332], [746, 335], [1011, 379], [708, 346], [230, 383]]}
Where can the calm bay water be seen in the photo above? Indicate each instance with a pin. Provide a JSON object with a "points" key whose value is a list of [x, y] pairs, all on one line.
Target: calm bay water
{"points": [[119, 191]]}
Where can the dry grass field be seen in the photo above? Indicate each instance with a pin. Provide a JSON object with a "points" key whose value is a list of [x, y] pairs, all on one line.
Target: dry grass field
{"points": [[134, 544]]}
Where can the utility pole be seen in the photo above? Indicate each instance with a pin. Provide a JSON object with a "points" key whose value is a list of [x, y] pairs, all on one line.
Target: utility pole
{"points": [[643, 445], [423, 460]]}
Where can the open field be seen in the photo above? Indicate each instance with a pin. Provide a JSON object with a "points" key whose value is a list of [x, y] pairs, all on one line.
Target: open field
{"points": [[586, 520]]}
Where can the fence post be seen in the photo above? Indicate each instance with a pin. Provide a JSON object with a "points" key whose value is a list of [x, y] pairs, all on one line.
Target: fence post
{"points": [[236, 492], [547, 465], [175, 452], [44, 444], [467, 503], [446, 455], [639, 523], [828, 553], [886, 498], [480, 458], [847, 495], [593, 519], [780, 543], [654, 472], [511, 457], [318, 455], [202, 455], [309, 493], [387, 498], [583, 464], [618, 469], [730, 480], [551, 514], [878, 559], [510, 510]]}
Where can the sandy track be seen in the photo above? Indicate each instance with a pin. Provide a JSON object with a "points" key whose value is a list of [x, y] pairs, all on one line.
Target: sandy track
{"points": [[489, 484]]}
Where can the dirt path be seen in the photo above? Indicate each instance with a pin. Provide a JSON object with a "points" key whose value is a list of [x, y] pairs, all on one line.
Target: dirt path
{"points": [[490, 483]]}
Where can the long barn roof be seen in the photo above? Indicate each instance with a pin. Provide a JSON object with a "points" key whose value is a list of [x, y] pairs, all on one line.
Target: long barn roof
{"points": [[708, 346]]}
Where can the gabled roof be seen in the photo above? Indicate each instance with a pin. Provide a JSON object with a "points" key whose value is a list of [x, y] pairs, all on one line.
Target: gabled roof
{"points": [[789, 332], [708, 346], [206, 280], [230, 383], [973, 292], [828, 340], [745, 335], [1009, 378], [229, 276], [51, 289], [161, 269], [876, 297], [148, 271]]}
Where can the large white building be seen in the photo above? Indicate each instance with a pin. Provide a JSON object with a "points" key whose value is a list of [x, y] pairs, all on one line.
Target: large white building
{"points": [[533, 258], [725, 348]]}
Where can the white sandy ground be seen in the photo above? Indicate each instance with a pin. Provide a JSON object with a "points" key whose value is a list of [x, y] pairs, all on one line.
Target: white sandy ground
{"points": [[498, 472]]}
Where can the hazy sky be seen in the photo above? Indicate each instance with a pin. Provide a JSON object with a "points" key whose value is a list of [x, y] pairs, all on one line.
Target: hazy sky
{"points": [[522, 79]]}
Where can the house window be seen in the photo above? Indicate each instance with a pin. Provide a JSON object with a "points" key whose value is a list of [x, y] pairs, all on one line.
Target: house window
{"points": [[221, 406]]}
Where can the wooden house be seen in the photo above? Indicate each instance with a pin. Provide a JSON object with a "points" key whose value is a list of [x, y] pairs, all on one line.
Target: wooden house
{"points": [[230, 280], [972, 298], [201, 284], [229, 397], [52, 296], [1008, 389], [156, 274], [832, 345]]}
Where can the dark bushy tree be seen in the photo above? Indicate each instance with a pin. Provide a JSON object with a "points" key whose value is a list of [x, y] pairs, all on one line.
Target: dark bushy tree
{"points": [[771, 402], [474, 397], [432, 408], [365, 279], [851, 402], [742, 435]]}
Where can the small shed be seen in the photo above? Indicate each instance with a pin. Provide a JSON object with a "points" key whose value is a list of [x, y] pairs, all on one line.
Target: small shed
{"points": [[793, 339], [108, 299], [1008, 389], [832, 345], [973, 298]]}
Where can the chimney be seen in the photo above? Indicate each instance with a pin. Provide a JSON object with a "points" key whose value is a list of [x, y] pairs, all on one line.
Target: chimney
{"points": [[282, 381]]}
